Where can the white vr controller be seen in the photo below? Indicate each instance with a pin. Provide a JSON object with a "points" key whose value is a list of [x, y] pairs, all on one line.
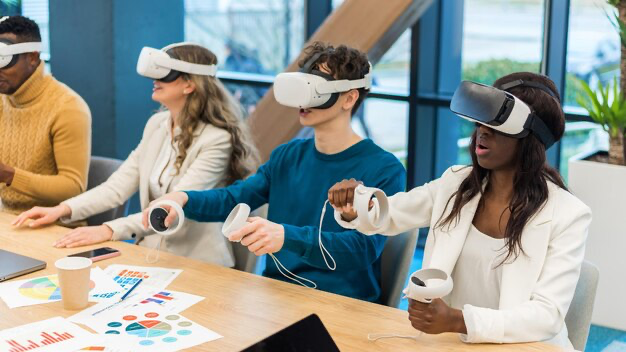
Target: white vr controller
{"points": [[422, 289], [157, 215], [367, 220], [236, 219]]}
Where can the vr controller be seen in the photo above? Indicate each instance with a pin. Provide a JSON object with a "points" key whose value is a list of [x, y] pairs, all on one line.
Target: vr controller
{"points": [[157, 215], [236, 219], [367, 220], [419, 290]]}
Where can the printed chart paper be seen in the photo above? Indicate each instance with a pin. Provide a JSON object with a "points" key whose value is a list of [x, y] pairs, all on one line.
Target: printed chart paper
{"points": [[153, 329], [127, 275], [45, 289], [168, 300], [51, 335]]}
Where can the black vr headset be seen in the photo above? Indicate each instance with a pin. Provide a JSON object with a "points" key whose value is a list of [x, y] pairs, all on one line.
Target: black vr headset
{"points": [[500, 110]]}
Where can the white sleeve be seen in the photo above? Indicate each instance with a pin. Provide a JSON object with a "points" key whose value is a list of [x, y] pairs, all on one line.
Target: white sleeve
{"points": [[407, 210]]}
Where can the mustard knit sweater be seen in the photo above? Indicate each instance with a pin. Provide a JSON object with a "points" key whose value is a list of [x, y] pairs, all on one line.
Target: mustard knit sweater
{"points": [[45, 134]]}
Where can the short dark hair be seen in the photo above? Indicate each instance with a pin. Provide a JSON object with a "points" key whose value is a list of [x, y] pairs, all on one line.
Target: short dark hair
{"points": [[342, 61], [25, 29]]}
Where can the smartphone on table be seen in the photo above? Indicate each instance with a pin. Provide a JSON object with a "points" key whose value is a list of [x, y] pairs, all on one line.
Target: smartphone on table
{"points": [[98, 254]]}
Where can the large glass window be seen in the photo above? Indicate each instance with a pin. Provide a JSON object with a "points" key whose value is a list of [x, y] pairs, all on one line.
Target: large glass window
{"points": [[593, 48], [250, 36], [386, 123], [593, 56], [391, 72], [37, 10], [488, 54]]}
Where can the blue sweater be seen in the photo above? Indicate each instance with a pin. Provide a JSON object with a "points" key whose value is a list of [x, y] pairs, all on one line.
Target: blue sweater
{"points": [[295, 183]]}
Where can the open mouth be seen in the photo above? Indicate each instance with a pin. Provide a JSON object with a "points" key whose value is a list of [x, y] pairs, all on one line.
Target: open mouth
{"points": [[481, 149], [304, 112]]}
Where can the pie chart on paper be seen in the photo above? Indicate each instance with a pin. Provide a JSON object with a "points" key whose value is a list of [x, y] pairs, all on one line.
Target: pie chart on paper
{"points": [[43, 288], [148, 328]]}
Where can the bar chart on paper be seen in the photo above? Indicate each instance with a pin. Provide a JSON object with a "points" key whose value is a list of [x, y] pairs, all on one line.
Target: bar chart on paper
{"points": [[45, 339], [54, 334]]}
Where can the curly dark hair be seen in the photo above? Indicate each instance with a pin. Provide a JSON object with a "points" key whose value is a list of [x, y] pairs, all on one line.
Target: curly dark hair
{"points": [[342, 61], [25, 29], [530, 185]]}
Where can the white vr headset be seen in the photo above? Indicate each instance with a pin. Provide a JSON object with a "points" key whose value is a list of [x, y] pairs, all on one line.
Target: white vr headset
{"points": [[157, 64], [500, 110], [311, 88], [9, 52]]}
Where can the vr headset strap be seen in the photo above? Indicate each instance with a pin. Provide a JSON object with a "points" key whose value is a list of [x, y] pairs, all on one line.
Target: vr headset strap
{"points": [[522, 83], [539, 128], [187, 67], [20, 48]]}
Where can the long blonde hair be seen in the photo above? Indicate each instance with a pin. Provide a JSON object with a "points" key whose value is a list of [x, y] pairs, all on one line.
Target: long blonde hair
{"points": [[212, 103]]}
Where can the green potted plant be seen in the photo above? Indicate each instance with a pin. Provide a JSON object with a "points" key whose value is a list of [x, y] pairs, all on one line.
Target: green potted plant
{"points": [[599, 180], [607, 107]]}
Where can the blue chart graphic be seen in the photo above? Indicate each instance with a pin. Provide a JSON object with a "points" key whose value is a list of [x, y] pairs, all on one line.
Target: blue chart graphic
{"points": [[151, 328]]}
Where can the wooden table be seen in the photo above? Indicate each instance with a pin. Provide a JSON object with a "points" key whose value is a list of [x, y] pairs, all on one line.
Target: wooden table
{"points": [[242, 307]]}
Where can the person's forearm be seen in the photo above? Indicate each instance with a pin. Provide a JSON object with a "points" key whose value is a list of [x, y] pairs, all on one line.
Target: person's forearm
{"points": [[50, 188], [6, 174], [458, 322], [350, 249]]}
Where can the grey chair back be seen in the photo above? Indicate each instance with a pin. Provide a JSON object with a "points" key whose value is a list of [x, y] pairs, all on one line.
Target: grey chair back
{"points": [[396, 261], [99, 171], [578, 317]]}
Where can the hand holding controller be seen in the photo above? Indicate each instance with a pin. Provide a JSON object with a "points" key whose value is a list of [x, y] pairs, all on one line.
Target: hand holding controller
{"points": [[158, 213], [422, 288]]}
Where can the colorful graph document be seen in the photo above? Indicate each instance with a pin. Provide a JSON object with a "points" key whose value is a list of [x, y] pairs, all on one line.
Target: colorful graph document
{"points": [[153, 329], [168, 300], [127, 275], [172, 301], [51, 335], [46, 289]]}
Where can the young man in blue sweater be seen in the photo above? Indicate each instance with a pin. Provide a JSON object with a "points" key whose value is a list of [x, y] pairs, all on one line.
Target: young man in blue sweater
{"points": [[295, 182]]}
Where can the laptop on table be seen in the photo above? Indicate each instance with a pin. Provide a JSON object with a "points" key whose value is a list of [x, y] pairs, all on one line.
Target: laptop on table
{"points": [[14, 265]]}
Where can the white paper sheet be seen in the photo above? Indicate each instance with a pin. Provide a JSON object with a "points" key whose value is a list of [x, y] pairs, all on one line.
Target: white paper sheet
{"points": [[127, 275], [51, 335], [45, 289], [151, 328]]}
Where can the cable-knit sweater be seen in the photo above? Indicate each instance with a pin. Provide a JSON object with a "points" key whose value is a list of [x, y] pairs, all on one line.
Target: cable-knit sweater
{"points": [[45, 134]]}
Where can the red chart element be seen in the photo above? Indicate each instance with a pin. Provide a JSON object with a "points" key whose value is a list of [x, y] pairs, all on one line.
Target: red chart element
{"points": [[149, 323], [47, 340], [151, 315], [130, 317]]}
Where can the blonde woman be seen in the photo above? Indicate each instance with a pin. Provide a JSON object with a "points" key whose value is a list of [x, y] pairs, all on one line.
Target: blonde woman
{"points": [[197, 141]]}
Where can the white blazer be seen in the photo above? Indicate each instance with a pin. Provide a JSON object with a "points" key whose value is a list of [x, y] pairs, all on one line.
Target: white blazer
{"points": [[536, 289], [203, 168]]}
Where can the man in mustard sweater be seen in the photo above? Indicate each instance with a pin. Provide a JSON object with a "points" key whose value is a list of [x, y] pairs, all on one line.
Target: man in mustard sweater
{"points": [[45, 127]]}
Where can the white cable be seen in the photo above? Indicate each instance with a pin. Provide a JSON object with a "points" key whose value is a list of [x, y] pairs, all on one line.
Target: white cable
{"points": [[295, 277], [153, 250], [237, 219], [322, 248], [158, 207], [375, 337]]}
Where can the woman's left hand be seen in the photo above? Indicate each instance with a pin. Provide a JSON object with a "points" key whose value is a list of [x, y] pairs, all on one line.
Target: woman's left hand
{"points": [[84, 236], [436, 317]]}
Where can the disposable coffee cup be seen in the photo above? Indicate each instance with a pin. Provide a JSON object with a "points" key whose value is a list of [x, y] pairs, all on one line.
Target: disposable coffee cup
{"points": [[74, 274]]}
